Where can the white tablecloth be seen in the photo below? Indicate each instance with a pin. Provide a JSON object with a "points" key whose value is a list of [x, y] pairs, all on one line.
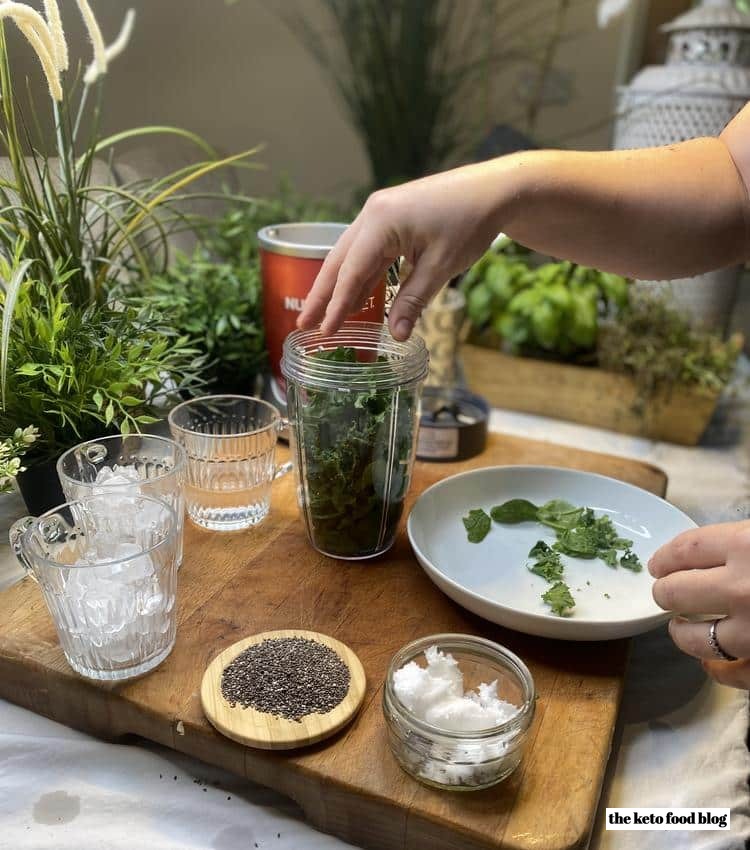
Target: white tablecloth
{"points": [[681, 741]]}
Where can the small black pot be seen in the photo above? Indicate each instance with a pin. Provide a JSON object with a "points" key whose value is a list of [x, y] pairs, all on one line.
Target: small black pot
{"points": [[40, 488]]}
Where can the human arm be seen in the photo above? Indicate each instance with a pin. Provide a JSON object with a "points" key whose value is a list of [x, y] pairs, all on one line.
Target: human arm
{"points": [[655, 213]]}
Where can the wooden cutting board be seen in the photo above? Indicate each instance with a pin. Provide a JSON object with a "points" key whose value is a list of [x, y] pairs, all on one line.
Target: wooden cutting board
{"points": [[232, 586]]}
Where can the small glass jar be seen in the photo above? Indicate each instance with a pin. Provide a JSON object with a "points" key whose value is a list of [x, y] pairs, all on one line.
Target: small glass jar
{"points": [[462, 761], [353, 401]]}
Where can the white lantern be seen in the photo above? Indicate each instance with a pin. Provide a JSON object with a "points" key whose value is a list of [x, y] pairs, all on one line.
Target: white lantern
{"points": [[701, 87]]}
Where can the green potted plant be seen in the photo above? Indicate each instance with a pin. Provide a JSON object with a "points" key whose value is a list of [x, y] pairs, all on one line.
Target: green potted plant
{"points": [[76, 360], [79, 373], [215, 305], [562, 340]]}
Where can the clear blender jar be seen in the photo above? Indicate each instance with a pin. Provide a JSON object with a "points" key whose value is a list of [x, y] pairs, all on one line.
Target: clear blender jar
{"points": [[353, 402]]}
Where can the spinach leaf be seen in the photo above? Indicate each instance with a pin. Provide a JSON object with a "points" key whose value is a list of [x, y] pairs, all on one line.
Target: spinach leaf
{"points": [[514, 511], [560, 514], [477, 525], [559, 598]]}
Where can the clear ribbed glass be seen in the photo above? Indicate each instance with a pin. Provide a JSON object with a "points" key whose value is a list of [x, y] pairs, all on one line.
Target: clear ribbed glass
{"points": [[462, 761], [353, 401], [107, 569], [230, 442]]}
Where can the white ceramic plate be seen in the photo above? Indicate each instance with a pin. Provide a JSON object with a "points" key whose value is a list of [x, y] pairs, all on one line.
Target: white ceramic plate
{"points": [[491, 578]]}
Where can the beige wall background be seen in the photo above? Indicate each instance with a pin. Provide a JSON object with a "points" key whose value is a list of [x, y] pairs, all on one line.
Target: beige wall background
{"points": [[236, 75]]}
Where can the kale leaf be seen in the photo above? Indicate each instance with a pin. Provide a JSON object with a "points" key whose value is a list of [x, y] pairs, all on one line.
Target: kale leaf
{"points": [[631, 561], [547, 564], [559, 599]]}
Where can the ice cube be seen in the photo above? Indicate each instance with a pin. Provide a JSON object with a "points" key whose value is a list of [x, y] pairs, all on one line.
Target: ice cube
{"points": [[117, 475]]}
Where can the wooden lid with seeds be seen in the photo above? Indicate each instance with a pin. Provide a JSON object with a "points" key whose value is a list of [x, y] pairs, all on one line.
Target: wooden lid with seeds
{"points": [[270, 731]]}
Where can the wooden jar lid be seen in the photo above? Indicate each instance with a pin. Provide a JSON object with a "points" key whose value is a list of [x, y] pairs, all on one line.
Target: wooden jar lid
{"points": [[269, 731]]}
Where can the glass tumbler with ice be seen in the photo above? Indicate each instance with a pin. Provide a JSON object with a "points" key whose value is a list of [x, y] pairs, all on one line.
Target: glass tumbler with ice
{"points": [[108, 577], [135, 464]]}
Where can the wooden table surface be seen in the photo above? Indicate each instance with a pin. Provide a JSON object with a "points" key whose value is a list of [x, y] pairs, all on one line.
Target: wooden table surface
{"points": [[231, 586]]}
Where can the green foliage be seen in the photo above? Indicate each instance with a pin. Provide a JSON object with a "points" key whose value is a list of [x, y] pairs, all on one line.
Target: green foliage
{"points": [[75, 361], [553, 308], [556, 513], [216, 305], [214, 296], [656, 345], [357, 443], [576, 313], [77, 373], [580, 534], [405, 71]]}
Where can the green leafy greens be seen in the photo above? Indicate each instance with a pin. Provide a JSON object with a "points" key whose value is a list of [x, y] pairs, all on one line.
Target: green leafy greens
{"points": [[354, 455], [580, 534], [559, 598], [477, 525], [548, 564]]}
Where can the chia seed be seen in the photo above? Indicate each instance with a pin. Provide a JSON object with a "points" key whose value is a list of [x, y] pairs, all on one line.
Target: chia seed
{"points": [[288, 677]]}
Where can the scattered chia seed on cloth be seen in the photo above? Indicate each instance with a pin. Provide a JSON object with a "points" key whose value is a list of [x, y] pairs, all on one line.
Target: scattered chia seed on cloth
{"points": [[288, 677]]}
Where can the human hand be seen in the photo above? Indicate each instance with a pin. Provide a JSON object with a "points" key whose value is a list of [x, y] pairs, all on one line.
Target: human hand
{"points": [[440, 224], [707, 571]]}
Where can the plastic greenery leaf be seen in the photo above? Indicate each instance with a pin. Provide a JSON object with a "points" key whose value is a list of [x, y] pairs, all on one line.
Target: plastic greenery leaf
{"points": [[559, 598], [514, 511], [11, 288], [477, 525]]}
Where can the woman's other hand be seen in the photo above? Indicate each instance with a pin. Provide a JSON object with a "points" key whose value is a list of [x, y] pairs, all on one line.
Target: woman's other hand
{"points": [[706, 571]]}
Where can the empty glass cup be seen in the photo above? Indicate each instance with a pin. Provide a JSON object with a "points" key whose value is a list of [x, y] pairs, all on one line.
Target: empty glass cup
{"points": [[134, 463], [108, 577], [230, 442]]}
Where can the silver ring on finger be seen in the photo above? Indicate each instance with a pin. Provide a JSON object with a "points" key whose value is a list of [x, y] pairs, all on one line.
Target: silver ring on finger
{"points": [[713, 642]]}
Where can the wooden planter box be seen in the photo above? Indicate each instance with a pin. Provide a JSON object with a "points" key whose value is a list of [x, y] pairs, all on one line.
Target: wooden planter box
{"points": [[587, 395]]}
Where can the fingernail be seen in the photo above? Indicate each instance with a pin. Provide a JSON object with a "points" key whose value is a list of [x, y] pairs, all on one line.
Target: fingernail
{"points": [[403, 328]]}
